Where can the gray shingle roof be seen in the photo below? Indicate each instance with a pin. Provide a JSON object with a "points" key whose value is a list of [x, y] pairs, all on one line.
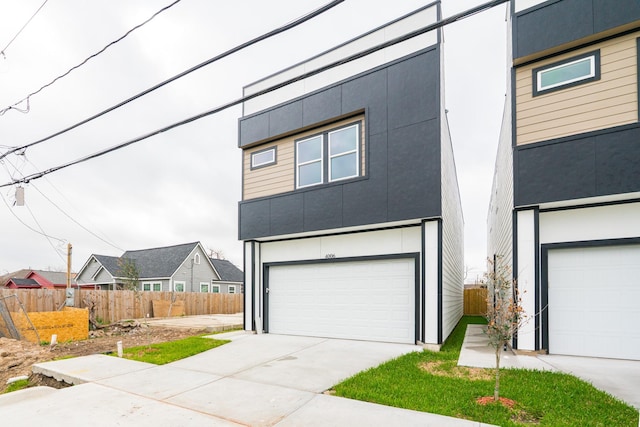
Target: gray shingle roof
{"points": [[55, 277], [25, 282], [227, 271], [110, 263], [159, 262]]}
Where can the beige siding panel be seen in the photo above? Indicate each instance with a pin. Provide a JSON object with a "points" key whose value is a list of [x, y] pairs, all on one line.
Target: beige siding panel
{"points": [[280, 178], [610, 101], [620, 94]]}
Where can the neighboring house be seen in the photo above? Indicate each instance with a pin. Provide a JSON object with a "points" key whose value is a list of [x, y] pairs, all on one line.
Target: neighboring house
{"points": [[43, 278], [180, 268], [231, 278], [565, 206], [350, 212], [15, 283]]}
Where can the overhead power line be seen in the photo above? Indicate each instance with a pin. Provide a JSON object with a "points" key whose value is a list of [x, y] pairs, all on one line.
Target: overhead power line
{"points": [[431, 27], [21, 29], [182, 74], [13, 106]]}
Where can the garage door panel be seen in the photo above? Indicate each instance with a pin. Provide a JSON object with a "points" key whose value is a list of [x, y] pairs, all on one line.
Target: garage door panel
{"points": [[594, 301], [368, 300]]}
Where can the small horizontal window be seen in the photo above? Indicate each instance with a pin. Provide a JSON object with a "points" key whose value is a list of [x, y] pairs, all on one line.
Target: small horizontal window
{"points": [[263, 158], [571, 72]]}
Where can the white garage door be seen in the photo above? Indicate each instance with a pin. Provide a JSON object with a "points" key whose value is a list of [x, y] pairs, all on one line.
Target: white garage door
{"points": [[594, 302], [364, 300]]}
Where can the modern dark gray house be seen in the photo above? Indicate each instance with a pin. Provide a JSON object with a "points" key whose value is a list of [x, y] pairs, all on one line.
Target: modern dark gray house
{"points": [[565, 207], [350, 212]]}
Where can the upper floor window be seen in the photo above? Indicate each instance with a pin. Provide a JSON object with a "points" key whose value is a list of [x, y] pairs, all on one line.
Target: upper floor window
{"points": [[196, 259], [263, 158], [570, 72], [330, 156]]}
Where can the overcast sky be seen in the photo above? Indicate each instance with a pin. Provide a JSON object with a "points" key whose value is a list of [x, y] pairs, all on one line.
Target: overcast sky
{"points": [[184, 185]]}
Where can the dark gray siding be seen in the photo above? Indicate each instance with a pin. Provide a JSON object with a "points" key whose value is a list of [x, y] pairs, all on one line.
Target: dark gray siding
{"points": [[588, 165], [557, 22], [401, 101]]}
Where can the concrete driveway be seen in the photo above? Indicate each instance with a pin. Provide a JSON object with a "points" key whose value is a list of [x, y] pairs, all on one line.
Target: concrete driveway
{"points": [[256, 380]]}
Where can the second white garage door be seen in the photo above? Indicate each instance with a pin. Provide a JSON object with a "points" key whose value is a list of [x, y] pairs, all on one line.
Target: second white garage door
{"points": [[370, 300], [594, 301]]}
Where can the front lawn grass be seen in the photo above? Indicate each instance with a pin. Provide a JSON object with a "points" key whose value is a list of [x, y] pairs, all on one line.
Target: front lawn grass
{"points": [[432, 382], [167, 352]]}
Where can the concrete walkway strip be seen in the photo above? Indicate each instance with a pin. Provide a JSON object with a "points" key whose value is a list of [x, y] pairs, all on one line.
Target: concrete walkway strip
{"points": [[620, 378], [79, 370]]}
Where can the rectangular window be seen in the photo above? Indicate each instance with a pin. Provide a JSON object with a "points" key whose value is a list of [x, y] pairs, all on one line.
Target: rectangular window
{"points": [[148, 286], [215, 289], [178, 286], [331, 156], [309, 161], [204, 287], [570, 72], [232, 289], [263, 158], [343, 153]]}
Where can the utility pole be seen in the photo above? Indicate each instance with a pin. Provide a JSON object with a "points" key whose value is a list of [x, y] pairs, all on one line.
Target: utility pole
{"points": [[69, 247]]}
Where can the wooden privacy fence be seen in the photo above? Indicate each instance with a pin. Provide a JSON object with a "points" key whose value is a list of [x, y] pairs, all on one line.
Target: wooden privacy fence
{"points": [[475, 301], [112, 306]]}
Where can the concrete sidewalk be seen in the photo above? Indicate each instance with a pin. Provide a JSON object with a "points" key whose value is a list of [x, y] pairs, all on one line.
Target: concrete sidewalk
{"points": [[620, 378], [256, 380]]}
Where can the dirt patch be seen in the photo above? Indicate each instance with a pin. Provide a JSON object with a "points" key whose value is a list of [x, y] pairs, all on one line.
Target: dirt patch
{"points": [[518, 415], [449, 369], [17, 357]]}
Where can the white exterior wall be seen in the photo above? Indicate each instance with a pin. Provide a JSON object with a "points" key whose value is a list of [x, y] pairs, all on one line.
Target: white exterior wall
{"points": [[394, 30], [352, 245], [526, 4], [525, 275], [452, 238], [382, 242], [594, 223], [430, 297], [500, 215]]}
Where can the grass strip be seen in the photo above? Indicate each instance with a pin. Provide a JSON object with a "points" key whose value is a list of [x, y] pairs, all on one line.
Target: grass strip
{"points": [[432, 382], [167, 352]]}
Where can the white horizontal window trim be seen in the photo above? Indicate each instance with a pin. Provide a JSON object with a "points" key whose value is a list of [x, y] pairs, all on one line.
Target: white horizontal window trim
{"points": [[263, 157], [593, 59]]}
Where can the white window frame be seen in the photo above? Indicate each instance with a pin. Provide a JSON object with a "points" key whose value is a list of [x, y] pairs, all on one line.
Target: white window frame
{"points": [[196, 259], [319, 160], [326, 156], [215, 286], [152, 286], [179, 282], [204, 284], [257, 162], [356, 151], [231, 289], [594, 73]]}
